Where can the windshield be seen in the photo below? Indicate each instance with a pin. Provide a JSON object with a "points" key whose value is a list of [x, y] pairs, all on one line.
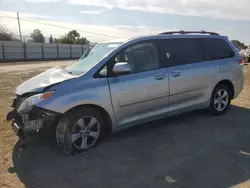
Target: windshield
{"points": [[86, 53], [87, 61]]}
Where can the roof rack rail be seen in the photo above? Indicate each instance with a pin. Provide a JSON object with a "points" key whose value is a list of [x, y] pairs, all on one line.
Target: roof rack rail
{"points": [[188, 32]]}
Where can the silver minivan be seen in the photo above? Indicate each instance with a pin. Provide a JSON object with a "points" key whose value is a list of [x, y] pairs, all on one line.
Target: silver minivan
{"points": [[125, 82]]}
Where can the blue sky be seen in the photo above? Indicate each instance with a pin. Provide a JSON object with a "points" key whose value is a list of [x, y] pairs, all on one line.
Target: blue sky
{"points": [[125, 18]]}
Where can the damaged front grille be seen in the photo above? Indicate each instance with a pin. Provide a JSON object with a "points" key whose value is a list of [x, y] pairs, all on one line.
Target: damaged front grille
{"points": [[33, 119]]}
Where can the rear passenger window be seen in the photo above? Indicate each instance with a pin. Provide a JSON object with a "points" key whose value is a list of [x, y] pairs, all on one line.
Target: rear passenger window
{"points": [[182, 51], [215, 49]]}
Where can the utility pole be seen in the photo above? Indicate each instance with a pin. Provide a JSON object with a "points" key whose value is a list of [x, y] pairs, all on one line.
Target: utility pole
{"points": [[20, 33]]}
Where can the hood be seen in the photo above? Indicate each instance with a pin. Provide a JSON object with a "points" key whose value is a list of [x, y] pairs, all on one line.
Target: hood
{"points": [[41, 81]]}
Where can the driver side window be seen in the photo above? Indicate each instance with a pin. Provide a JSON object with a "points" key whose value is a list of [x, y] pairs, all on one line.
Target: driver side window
{"points": [[141, 57]]}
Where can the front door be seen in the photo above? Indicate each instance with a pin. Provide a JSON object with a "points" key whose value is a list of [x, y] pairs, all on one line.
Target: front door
{"points": [[144, 92]]}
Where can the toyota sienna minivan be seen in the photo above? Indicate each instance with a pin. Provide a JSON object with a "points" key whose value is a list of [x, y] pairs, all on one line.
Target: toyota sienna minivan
{"points": [[125, 82]]}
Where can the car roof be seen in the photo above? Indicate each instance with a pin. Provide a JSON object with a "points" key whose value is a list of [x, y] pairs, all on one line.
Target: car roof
{"points": [[188, 34]]}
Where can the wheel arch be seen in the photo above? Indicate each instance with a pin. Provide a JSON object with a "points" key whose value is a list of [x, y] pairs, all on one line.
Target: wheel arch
{"points": [[105, 115], [229, 84]]}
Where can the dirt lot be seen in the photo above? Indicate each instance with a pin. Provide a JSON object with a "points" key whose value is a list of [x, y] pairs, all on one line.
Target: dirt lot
{"points": [[190, 150]]}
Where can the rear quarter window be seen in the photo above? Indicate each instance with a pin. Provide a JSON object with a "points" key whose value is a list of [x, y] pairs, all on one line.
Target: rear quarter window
{"points": [[215, 49]]}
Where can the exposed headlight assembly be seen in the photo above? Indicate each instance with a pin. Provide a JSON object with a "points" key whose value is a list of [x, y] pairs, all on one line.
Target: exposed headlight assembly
{"points": [[35, 99]]}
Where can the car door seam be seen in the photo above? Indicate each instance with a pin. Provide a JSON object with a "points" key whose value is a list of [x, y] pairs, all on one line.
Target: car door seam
{"points": [[110, 98]]}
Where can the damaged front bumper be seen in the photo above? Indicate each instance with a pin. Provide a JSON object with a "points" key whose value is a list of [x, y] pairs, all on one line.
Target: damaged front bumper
{"points": [[32, 121]]}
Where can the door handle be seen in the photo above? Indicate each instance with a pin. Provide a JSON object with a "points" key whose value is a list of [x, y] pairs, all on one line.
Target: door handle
{"points": [[159, 76], [175, 74]]}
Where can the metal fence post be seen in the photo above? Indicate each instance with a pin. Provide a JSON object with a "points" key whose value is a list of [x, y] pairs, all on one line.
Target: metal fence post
{"points": [[42, 51], [24, 51], [57, 48], [3, 51], [82, 49], [70, 48]]}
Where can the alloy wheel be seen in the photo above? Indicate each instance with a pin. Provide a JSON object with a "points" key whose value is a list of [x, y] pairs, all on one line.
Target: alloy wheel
{"points": [[85, 132], [221, 100]]}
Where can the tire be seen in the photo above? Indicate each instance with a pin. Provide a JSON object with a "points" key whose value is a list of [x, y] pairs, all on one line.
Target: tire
{"points": [[79, 129], [220, 100]]}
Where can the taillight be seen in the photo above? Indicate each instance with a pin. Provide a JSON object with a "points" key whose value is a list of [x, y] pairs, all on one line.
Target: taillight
{"points": [[241, 62]]}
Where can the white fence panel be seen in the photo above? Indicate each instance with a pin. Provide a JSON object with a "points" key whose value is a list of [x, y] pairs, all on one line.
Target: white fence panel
{"points": [[64, 50], [50, 51], [34, 51], [13, 50], [76, 50]]}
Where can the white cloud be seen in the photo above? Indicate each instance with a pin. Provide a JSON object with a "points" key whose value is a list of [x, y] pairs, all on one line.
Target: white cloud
{"points": [[42, 1], [115, 31], [131, 27], [23, 15], [91, 11], [230, 9]]}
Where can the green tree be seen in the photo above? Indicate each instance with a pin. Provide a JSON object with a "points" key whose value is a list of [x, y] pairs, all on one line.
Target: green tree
{"points": [[82, 40], [73, 34], [65, 40], [37, 36], [239, 45], [7, 35], [73, 37]]}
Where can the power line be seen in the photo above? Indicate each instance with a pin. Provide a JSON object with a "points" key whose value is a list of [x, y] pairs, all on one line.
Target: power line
{"points": [[60, 26]]}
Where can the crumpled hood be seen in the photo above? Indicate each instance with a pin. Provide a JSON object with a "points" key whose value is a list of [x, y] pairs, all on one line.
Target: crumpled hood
{"points": [[43, 80]]}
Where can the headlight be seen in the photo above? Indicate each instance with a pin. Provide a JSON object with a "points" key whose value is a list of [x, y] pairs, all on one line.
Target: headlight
{"points": [[30, 101]]}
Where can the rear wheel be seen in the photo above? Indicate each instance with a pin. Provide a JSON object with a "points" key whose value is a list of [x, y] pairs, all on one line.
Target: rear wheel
{"points": [[79, 130], [220, 100]]}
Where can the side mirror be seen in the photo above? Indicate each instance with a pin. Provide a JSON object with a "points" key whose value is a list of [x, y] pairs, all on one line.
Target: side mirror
{"points": [[121, 68]]}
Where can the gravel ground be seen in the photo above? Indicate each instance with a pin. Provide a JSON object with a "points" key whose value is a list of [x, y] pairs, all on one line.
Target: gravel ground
{"points": [[188, 151]]}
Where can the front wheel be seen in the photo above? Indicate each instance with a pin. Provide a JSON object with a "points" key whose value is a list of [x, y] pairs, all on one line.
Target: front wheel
{"points": [[220, 100], [79, 130]]}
